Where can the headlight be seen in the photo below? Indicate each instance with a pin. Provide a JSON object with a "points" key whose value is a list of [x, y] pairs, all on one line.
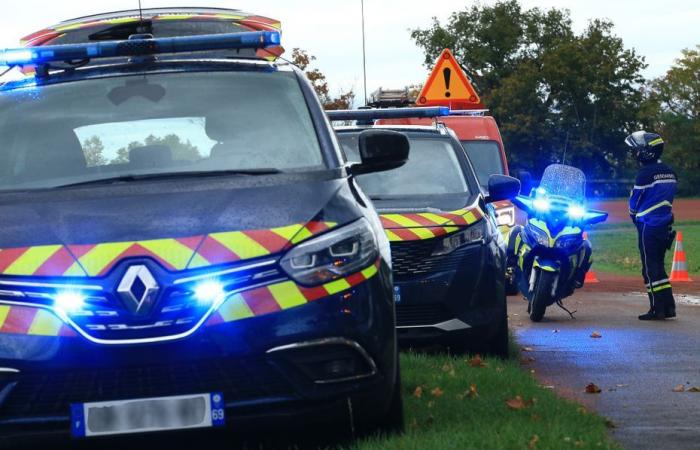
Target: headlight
{"points": [[333, 255], [539, 236], [569, 241], [474, 233], [542, 204], [576, 212], [505, 216]]}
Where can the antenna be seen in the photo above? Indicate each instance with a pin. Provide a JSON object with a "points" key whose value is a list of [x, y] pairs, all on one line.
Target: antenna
{"points": [[364, 49], [140, 12]]}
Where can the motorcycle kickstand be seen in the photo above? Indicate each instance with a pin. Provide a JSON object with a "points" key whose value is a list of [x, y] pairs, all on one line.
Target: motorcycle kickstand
{"points": [[571, 314]]}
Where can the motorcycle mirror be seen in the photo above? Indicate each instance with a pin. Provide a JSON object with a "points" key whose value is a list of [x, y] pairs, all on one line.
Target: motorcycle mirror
{"points": [[502, 187], [525, 178]]}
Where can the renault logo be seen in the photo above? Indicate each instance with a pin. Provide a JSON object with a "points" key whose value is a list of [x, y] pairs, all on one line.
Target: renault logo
{"points": [[138, 290]]}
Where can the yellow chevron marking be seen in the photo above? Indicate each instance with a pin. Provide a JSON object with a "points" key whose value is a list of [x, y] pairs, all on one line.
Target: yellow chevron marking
{"points": [[75, 270], [175, 17], [4, 311], [337, 286], [423, 233], [102, 255], [303, 235], [287, 294], [240, 244], [370, 271], [392, 236], [198, 261], [287, 232], [31, 260], [45, 324], [170, 250], [235, 308], [449, 230], [435, 218], [402, 220], [229, 16], [122, 20]]}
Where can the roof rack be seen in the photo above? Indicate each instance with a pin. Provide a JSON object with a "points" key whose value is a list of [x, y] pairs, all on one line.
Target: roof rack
{"points": [[469, 112], [388, 113], [138, 45]]}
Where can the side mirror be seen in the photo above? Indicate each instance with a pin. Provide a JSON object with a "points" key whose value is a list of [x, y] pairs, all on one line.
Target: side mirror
{"points": [[502, 187], [381, 150], [525, 178]]}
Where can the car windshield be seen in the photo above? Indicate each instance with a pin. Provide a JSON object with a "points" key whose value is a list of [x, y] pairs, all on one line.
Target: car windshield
{"points": [[432, 168], [486, 159], [196, 122]]}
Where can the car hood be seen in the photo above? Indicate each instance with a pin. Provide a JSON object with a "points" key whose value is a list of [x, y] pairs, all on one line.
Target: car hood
{"points": [[404, 221], [182, 225]]}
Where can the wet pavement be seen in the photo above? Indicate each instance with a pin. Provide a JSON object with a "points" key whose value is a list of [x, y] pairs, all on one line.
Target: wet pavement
{"points": [[636, 364]]}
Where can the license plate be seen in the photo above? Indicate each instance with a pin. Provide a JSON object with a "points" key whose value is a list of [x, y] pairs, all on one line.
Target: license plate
{"points": [[397, 294], [147, 415]]}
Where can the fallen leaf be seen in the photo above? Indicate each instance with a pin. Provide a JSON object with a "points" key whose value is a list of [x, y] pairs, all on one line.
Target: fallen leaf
{"points": [[527, 349], [431, 403], [476, 361], [593, 389], [516, 403], [437, 392], [533, 442], [679, 388], [694, 389], [418, 393], [596, 335], [472, 391]]}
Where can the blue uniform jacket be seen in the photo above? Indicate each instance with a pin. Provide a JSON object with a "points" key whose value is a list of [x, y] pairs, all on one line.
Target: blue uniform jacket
{"points": [[651, 201]]}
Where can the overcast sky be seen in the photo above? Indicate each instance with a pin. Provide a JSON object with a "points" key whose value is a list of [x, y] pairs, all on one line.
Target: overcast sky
{"points": [[331, 29]]}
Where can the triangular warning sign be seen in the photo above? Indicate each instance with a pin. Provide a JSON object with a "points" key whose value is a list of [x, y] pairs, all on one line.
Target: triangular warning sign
{"points": [[448, 85]]}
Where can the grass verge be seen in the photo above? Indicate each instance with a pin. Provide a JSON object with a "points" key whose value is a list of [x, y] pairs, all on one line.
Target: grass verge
{"points": [[450, 403], [615, 248]]}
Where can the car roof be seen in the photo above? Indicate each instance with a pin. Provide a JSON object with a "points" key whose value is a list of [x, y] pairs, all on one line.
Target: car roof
{"points": [[406, 128]]}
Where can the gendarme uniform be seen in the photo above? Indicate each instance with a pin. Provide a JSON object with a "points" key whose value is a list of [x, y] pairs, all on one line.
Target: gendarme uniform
{"points": [[651, 209]]}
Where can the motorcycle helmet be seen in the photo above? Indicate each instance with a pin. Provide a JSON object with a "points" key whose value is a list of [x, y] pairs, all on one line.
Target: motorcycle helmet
{"points": [[646, 147]]}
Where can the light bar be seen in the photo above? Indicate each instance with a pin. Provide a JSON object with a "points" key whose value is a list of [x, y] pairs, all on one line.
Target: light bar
{"points": [[469, 112], [389, 113], [139, 45]]}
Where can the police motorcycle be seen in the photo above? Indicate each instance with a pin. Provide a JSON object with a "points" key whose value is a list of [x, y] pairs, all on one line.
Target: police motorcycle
{"points": [[549, 253]]}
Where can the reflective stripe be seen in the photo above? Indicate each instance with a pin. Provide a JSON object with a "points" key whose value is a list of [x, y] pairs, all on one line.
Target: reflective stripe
{"points": [[656, 141], [287, 295], [655, 207], [655, 183], [656, 283], [660, 288]]}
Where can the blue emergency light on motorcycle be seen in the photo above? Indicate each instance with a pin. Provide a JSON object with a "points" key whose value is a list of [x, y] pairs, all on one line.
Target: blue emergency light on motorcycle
{"points": [[389, 113], [139, 45]]}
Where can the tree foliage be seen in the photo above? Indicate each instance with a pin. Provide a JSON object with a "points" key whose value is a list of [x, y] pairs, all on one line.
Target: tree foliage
{"points": [[303, 60], [559, 96]]}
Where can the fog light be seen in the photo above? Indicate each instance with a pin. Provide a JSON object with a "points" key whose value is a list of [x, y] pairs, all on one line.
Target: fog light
{"points": [[69, 301], [208, 292]]}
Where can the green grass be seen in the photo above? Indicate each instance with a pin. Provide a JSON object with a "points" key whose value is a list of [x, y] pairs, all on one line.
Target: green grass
{"points": [[452, 419], [615, 248]]}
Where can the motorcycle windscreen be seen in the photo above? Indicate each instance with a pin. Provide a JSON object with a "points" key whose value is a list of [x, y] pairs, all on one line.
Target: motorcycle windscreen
{"points": [[565, 181]]}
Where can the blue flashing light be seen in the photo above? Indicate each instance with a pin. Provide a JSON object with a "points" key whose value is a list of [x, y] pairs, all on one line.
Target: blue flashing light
{"points": [[140, 46], [576, 212], [389, 113], [69, 301], [208, 292], [542, 204]]}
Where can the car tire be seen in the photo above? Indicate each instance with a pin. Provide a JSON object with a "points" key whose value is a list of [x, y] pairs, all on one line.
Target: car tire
{"points": [[393, 421], [499, 345]]}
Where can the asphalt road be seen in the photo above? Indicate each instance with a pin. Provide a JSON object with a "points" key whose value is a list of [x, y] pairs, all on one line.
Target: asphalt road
{"points": [[636, 364]]}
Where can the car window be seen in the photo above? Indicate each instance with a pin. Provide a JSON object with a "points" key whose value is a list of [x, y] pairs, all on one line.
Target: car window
{"points": [[485, 156], [166, 123], [432, 168]]}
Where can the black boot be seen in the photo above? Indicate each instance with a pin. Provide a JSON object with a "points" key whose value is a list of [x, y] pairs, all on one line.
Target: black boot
{"points": [[656, 311], [670, 305]]}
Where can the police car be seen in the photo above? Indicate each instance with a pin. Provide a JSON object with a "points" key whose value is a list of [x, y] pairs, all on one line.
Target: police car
{"points": [[448, 254], [184, 246]]}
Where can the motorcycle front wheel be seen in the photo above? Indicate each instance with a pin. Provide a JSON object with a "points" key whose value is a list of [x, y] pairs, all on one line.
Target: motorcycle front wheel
{"points": [[542, 296]]}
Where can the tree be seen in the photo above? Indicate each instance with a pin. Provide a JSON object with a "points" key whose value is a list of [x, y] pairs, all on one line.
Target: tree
{"points": [[181, 150], [94, 152], [303, 60], [675, 98], [558, 96]]}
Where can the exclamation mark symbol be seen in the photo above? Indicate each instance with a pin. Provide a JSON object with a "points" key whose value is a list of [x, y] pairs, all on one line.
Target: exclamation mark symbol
{"points": [[447, 73]]}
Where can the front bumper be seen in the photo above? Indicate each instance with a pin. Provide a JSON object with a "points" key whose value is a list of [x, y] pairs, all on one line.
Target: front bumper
{"points": [[457, 296], [312, 358]]}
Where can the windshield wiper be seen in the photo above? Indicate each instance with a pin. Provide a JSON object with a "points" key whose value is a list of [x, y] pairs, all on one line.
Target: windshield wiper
{"points": [[129, 178]]}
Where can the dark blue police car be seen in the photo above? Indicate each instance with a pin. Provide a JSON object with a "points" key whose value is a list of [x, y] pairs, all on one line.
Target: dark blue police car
{"points": [[183, 245]]}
